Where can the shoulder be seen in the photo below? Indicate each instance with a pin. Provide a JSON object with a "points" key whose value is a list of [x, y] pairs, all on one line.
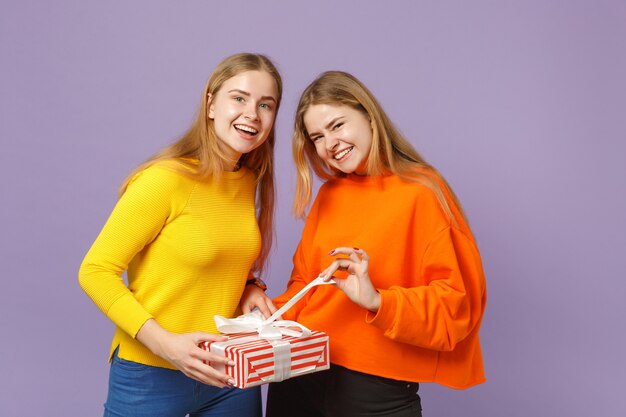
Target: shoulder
{"points": [[435, 191], [421, 196], [422, 187], [423, 183], [408, 187], [169, 170], [162, 177]]}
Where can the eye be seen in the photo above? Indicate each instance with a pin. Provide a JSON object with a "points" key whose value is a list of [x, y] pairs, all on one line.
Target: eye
{"points": [[265, 106], [338, 125], [238, 99], [316, 138]]}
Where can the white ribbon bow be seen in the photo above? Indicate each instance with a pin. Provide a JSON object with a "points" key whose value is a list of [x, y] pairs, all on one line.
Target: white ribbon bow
{"points": [[270, 328]]}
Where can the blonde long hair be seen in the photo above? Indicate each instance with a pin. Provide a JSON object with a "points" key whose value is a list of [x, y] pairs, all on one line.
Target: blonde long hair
{"points": [[390, 152], [201, 157]]}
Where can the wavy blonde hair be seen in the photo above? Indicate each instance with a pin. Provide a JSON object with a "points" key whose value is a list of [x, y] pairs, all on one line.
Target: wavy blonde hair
{"points": [[390, 152], [201, 157]]}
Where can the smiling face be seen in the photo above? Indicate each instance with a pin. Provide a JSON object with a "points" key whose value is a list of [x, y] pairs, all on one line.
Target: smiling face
{"points": [[342, 136], [243, 112]]}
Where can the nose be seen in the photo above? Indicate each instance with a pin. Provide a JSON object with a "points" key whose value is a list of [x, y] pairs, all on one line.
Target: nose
{"points": [[251, 111], [332, 142]]}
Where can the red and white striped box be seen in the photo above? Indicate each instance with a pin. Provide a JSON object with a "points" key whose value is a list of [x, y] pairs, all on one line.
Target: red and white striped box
{"points": [[255, 358]]}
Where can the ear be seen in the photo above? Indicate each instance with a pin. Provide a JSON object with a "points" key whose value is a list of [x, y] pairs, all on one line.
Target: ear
{"points": [[210, 108]]}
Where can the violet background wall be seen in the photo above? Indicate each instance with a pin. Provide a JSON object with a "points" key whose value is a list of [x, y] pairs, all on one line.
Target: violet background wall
{"points": [[521, 105]]}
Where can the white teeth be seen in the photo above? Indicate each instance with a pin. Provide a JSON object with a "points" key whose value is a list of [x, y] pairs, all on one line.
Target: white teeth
{"points": [[247, 129], [343, 153]]}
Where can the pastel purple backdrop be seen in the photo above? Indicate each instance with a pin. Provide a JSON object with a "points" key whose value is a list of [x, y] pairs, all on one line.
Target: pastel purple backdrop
{"points": [[521, 105]]}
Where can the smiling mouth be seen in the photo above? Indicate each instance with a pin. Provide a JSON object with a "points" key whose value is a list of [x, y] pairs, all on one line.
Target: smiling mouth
{"points": [[343, 153], [250, 131]]}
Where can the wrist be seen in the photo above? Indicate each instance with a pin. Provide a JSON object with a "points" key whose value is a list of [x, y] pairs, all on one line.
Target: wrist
{"points": [[374, 305], [258, 282], [151, 335]]}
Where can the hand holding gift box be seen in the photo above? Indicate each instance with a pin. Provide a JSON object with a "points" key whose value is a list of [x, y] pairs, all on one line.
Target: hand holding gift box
{"points": [[270, 350]]}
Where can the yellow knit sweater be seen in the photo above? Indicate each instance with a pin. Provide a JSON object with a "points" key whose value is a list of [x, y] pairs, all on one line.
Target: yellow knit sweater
{"points": [[188, 247]]}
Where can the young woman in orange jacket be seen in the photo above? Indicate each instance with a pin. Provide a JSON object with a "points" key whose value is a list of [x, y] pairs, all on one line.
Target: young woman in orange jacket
{"points": [[410, 290]]}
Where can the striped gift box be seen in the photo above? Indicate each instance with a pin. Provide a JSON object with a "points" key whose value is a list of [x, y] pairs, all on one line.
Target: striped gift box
{"points": [[258, 361]]}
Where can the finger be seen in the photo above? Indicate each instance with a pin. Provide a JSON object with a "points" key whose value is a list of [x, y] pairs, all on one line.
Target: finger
{"points": [[324, 273], [195, 367], [337, 264], [342, 264], [246, 308], [265, 310], [340, 283], [206, 356], [199, 337], [271, 306], [364, 255], [202, 379], [208, 375], [353, 253], [213, 374]]}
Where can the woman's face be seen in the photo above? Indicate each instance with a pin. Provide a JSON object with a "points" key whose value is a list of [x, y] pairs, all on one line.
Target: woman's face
{"points": [[342, 136], [243, 111]]}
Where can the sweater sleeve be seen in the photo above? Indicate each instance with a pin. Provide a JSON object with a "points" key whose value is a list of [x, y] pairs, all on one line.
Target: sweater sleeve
{"points": [[302, 272], [295, 284], [443, 312], [138, 217]]}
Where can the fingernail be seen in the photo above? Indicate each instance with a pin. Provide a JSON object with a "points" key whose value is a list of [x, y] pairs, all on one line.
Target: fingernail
{"points": [[355, 248], [231, 363], [231, 382], [331, 252]]}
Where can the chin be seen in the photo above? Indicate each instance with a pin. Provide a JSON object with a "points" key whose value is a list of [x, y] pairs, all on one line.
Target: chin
{"points": [[347, 170], [247, 149]]}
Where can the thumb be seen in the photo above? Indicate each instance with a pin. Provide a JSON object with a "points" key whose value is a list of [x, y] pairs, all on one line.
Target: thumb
{"points": [[339, 283]]}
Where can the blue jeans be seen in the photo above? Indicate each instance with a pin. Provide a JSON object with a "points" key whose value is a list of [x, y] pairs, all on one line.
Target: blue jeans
{"points": [[137, 390]]}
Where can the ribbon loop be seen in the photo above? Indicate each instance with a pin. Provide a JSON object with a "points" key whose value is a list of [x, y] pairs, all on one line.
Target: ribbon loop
{"points": [[270, 329]]}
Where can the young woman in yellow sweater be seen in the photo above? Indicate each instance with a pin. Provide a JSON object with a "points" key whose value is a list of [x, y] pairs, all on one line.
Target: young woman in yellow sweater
{"points": [[410, 290], [193, 229]]}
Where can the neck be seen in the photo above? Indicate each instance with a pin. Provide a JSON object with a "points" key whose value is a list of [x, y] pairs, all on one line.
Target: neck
{"points": [[232, 166], [231, 162]]}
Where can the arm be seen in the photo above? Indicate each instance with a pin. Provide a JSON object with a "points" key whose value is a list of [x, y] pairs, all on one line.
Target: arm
{"points": [[182, 351], [135, 222], [446, 310], [295, 284], [437, 315], [302, 272]]}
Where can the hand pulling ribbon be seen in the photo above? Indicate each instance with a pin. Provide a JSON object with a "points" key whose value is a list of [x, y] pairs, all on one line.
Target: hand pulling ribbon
{"points": [[269, 329]]}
